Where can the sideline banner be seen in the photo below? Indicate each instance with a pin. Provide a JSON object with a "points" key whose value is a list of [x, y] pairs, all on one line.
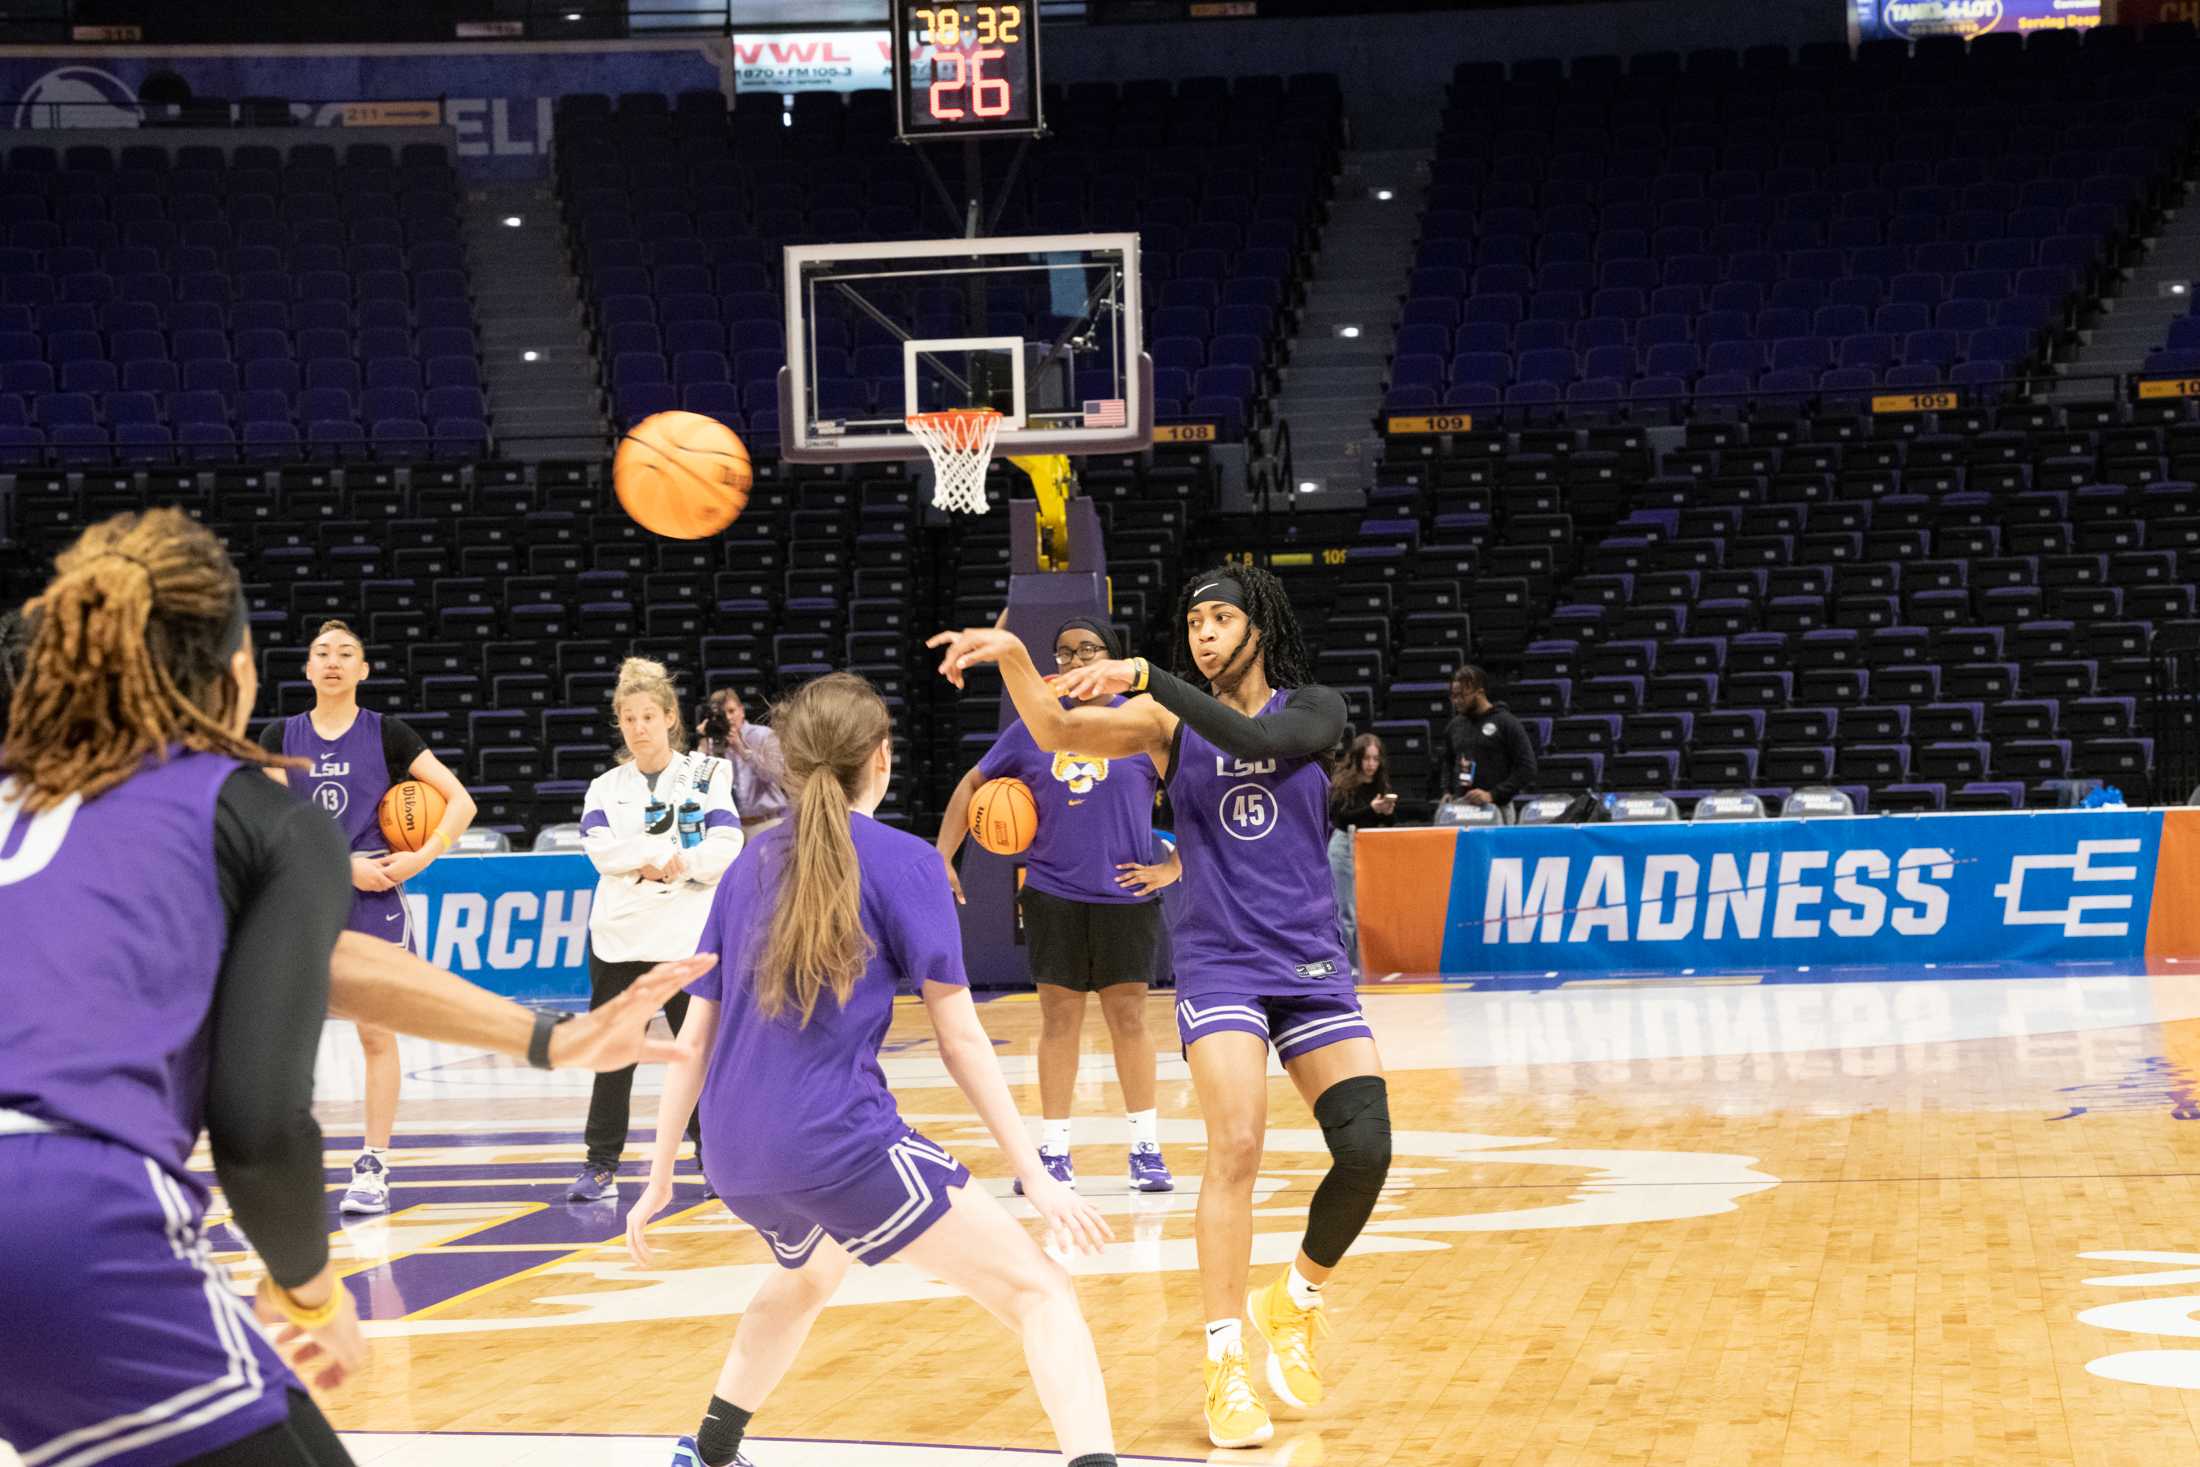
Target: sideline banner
{"points": [[2106, 886], [516, 925], [497, 99]]}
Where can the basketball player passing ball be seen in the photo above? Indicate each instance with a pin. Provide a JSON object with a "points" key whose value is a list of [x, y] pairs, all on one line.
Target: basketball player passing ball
{"points": [[819, 921], [1259, 957], [355, 755]]}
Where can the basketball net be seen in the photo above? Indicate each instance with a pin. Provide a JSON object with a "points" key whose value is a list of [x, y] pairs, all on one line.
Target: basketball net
{"points": [[960, 441]]}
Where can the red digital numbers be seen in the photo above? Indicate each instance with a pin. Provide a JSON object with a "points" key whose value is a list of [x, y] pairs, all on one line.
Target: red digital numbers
{"points": [[989, 95]]}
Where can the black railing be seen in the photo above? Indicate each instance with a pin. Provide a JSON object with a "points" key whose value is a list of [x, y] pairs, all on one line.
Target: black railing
{"points": [[2173, 713]]}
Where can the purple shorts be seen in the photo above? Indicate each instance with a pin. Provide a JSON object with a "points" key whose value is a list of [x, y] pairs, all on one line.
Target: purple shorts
{"points": [[128, 1347], [874, 1214], [1296, 1024], [381, 914]]}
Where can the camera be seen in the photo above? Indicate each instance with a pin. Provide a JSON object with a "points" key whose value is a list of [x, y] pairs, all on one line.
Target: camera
{"points": [[716, 726]]}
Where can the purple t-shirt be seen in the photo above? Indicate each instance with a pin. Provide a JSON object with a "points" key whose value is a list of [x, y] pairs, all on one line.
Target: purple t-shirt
{"points": [[1094, 814], [1259, 912], [796, 1107], [115, 931]]}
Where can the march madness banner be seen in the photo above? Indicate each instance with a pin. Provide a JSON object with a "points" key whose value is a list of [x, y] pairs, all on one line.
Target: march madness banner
{"points": [[516, 925], [2051, 887]]}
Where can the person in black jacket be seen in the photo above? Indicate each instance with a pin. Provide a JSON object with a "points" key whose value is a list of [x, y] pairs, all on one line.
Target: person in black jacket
{"points": [[1487, 757], [1359, 794]]}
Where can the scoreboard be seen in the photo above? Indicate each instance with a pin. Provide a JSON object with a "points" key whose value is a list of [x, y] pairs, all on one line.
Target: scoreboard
{"points": [[966, 70]]}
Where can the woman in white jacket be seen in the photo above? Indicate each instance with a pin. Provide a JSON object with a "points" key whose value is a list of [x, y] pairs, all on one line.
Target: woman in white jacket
{"points": [[661, 827]]}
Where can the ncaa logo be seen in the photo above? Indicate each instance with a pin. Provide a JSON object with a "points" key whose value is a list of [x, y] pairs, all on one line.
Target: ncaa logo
{"points": [[1248, 811], [332, 797], [77, 96]]}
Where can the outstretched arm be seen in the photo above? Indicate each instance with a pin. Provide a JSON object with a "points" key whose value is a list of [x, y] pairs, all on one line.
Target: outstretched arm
{"points": [[1311, 721], [1137, 727]]}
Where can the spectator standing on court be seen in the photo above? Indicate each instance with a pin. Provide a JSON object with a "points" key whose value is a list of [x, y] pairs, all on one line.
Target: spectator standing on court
{"points": [[759, 773], [1359, 795], [1487, 757]]}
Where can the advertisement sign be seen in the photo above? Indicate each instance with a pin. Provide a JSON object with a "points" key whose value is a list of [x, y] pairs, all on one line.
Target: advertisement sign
{"points": [[813, 61], [2101, 886], [1914, 20], [516, 925], [497, 99]]}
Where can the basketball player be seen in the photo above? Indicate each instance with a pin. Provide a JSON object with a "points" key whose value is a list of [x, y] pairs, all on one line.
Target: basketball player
{"points": [[169, 919], [819, 921], [1259, 960], [355, 755], [661, 829], [1092, 923]]}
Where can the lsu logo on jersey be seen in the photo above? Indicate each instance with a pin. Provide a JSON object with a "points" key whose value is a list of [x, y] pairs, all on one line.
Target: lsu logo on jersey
{"points": [[1079, 773], [1228, 768]]}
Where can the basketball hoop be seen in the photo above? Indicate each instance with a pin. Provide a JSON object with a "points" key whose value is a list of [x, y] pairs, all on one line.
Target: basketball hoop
{"points": [[960, 441]]}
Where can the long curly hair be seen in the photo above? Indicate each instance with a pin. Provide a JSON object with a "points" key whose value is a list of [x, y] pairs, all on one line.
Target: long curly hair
{"points": [[127, 656], [1283, 653]]}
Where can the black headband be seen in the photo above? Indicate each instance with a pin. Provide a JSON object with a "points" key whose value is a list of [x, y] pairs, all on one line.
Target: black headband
{"points": [[1226, 589], [1098, 628]]}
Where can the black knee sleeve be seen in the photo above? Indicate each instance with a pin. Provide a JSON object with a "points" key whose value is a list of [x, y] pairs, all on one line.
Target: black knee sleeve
{"points": [[1355, 1119]]}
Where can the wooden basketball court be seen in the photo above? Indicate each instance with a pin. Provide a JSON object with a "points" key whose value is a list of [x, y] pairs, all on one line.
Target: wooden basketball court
{"points": [[1698, 1221]]}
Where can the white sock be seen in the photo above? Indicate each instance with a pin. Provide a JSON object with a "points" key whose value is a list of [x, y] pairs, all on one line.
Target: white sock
{"points": [[1054, 1136], [377, 1152], [1223, 1336], [1303, 1293], [1145, 1128]]}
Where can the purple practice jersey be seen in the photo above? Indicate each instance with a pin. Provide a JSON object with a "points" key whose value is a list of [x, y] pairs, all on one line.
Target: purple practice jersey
{"points": [[1094, 815], [114, 938], [1259, 911], [350, 774], [792, 1107]]}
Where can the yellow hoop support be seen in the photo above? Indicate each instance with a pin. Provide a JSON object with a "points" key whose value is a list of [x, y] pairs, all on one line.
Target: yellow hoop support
{"points": [[1053, 483]]}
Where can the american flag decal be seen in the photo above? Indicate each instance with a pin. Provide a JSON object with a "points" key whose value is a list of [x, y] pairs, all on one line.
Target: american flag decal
{"points": [[1105, 412]]}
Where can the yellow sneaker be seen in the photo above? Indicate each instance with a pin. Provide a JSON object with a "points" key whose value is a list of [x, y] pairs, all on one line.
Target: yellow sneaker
{"points": [[1235, 1416], [1290, 1332]]}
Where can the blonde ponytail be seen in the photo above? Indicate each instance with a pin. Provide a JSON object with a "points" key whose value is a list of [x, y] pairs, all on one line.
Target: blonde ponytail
{"points": [[828, 732]]}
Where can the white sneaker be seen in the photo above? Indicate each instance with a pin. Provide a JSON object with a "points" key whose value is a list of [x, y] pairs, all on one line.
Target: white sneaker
{"points": [[370, 1186]]}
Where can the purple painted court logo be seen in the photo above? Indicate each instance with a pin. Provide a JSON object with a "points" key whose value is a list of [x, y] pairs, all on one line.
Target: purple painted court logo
{"points": [[1248, 811]]}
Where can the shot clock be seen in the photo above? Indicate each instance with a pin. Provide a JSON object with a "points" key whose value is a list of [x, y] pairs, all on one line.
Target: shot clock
{"points": [[966, 70]]}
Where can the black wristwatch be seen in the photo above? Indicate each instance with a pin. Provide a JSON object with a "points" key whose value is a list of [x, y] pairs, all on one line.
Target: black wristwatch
{"points": [[538, 1044]]}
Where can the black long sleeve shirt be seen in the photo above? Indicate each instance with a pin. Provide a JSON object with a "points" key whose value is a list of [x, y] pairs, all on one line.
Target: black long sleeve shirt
{"points": [[285, 880], [1484, 751]]}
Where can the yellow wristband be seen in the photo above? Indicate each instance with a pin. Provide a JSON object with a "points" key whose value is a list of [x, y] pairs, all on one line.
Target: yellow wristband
{"points": [[298, 1314], [1138, 683], [438, 843]]}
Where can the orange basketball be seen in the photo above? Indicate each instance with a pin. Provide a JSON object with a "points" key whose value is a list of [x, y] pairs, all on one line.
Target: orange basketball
{"points": [[409, 813], [682, 475], [1004, 817]]}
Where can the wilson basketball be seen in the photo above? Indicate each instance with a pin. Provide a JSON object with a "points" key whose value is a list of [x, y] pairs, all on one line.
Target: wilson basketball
{"points": [[409, 813], [682, 475], [1004, 817]]}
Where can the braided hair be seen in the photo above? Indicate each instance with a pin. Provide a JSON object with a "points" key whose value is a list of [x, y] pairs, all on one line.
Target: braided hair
{"points": [[1283, 651], [128, 655]]}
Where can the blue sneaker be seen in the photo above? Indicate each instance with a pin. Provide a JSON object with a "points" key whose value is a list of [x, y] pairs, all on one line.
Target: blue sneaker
{"points": [[594, 1184], [370, 1186], [1058, 1167], [685, 1455], [1149, 1173]]}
